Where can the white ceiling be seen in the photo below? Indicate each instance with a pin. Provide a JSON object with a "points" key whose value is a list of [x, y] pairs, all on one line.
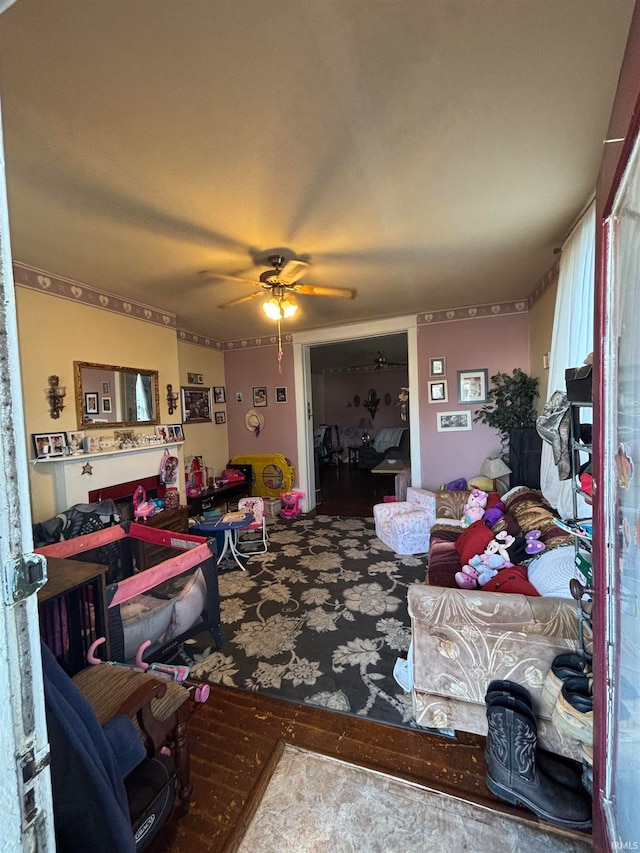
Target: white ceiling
{"points": [[427, 153]]}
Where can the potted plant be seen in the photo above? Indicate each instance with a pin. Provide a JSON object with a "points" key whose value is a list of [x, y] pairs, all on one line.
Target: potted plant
{"points": [[511, 409]]}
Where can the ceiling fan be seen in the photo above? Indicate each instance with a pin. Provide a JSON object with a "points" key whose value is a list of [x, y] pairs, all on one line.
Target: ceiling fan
{"points": [[381, 361], [280, 282]]}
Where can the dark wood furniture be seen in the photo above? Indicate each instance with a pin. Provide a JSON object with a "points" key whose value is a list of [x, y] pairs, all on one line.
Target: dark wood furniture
{"points": [[212, 498], [148, 554], [73, 610]]}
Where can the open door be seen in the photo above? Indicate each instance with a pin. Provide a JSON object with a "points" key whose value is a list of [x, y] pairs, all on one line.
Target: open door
{"points": [[617, 469]]}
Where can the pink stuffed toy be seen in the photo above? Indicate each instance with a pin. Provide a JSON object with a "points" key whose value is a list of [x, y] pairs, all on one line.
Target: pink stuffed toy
{"points": [[467, 578], [474, 507]]}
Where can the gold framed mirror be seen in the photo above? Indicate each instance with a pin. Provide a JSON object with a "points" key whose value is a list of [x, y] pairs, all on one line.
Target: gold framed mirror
{"points": [[112, 396]]}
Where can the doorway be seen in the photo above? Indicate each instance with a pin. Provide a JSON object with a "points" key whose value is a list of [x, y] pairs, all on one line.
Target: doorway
{"points": [[351, 362]]}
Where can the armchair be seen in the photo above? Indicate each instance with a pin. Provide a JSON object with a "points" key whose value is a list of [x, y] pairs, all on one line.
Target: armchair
{"points": [[405, 526], [109, 728]]}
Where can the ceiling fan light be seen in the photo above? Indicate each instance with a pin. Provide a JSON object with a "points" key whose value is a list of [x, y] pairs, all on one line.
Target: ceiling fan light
{"points": [[289, 307], [271, 308]]}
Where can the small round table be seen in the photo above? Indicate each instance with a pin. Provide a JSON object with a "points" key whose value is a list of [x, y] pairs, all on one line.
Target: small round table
{"points": [[219, 527]]}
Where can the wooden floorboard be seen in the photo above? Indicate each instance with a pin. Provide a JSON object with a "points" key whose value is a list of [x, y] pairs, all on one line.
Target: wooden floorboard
{"points": [[232, 738]]}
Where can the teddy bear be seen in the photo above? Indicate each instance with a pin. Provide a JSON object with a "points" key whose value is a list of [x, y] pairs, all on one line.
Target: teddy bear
{"points": [[482, 567], [474, 507]]}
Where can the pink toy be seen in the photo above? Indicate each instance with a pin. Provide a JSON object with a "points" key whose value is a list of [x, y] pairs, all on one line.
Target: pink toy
{"points": [[474, 507], [291, 503], [142, 508], [179, 674], [467, 578]]}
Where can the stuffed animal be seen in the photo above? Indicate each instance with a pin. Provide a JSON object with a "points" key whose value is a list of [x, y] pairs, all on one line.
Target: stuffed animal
{"points": [[467, 578], [474, 507], [499, 545]]}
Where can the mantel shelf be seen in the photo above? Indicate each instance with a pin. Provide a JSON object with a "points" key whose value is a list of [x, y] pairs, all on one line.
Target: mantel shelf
{"points": [[78, 457]]}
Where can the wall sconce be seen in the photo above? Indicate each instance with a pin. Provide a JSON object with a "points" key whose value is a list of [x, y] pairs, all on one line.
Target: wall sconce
{"points": [[172, 399], [55, 395]]}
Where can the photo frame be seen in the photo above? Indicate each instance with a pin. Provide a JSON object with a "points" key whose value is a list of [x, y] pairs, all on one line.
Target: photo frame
{"points": [[48, 444], [259, 396], [195, 379], [106, 388], [438, 392], [438, 366], [196, 405], [124, 435], [106, 405], [453, 421], [74, 440], [239, 396], [175, 432], [281, 395], [91, 444], [163, 431], [91, 403], [219, 394], [221, 417], [472, 385]]}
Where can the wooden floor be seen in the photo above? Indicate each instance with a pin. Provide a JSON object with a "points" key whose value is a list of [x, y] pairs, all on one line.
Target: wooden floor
{"points": [[233, 735], [350, 491]]}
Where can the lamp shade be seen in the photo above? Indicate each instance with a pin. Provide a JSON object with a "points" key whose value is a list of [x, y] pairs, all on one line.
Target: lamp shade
{"points": [[493, 467]]}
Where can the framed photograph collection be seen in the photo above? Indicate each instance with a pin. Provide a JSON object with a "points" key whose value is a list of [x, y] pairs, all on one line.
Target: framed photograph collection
{"points": [[196, 405], [454, 421], [49, 444], [170, 432]]}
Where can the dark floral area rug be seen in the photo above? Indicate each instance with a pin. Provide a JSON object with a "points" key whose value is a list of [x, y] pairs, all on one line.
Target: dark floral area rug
{"points": [[320, 619]]}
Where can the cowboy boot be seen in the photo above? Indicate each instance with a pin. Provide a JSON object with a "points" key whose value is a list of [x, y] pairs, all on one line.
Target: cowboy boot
{"points": [[512, 772], [561, 769]]}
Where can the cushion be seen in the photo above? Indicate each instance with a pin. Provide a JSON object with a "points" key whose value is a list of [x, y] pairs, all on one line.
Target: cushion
{"points": [[188, 606], [532, 512], [473, 540], [444, 560], [513, 579]]}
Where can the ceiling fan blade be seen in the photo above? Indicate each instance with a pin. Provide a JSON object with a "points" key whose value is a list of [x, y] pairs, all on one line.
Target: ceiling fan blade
{"points": [[312, 290], [292, 271], [240, 300], [212, 274]]}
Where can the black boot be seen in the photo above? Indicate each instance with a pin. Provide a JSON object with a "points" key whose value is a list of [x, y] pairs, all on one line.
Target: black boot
{"points": [[512, 772], [563, 770]]}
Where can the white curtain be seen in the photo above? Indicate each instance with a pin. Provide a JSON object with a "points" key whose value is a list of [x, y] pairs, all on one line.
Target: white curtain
{"points": [[572, 340]]}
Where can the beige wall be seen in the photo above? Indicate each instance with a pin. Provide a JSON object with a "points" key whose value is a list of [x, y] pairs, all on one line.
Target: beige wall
{"points": [[540, 331], [53, 333], [208, 440]]}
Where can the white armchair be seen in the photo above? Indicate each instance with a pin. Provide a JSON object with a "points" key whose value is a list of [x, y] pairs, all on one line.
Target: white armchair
{"points": [[405, 526]]}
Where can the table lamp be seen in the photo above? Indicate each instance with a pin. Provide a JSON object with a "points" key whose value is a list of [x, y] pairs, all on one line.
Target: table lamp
{"points": [[494, 467]]}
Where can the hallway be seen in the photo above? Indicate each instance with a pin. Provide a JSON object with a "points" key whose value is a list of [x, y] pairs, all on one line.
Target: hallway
{"points": [[350, 491]]}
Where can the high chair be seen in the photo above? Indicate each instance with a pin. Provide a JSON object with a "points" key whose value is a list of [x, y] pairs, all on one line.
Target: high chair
{"points": [[253, 538]]}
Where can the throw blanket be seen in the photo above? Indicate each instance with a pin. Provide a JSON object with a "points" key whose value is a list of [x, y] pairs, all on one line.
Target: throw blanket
{"points": [[388, 437], [90, 805]]}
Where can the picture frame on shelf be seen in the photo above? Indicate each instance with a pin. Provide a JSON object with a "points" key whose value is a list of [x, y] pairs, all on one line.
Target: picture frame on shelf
{"points": [[106, 405], [162, 430], [124, 435], [91, 443], [259, 396], [454, 421], [281, 395], [196, 405], [74, 440], [219, 394], [175, 432], [438, 392], [438, 366], [472, 385], [91, 403], [49, 444], [221, 417]]}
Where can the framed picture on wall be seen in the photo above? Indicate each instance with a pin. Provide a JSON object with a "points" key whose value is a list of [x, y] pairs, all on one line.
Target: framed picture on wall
{"points": [[259, 397], [438, 391], [221, 418], [219, 394], [91, 403], [281, 395], [472, 386], [106, 405], [196, 405], [437, 366], [453, 421]]}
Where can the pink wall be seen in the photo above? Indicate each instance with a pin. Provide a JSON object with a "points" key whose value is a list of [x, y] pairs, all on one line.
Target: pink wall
{"points": [[339, 406], [497, 343], [246, 369]]}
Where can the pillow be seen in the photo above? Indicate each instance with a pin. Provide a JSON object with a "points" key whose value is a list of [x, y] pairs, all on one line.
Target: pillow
{"points": [[551, 572], [188, 606], [513, 579], [532, 512], [473, 540]]}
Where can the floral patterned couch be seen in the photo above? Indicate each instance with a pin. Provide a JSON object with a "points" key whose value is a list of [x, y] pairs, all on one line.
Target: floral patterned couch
{"points": [[462, 639]]}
